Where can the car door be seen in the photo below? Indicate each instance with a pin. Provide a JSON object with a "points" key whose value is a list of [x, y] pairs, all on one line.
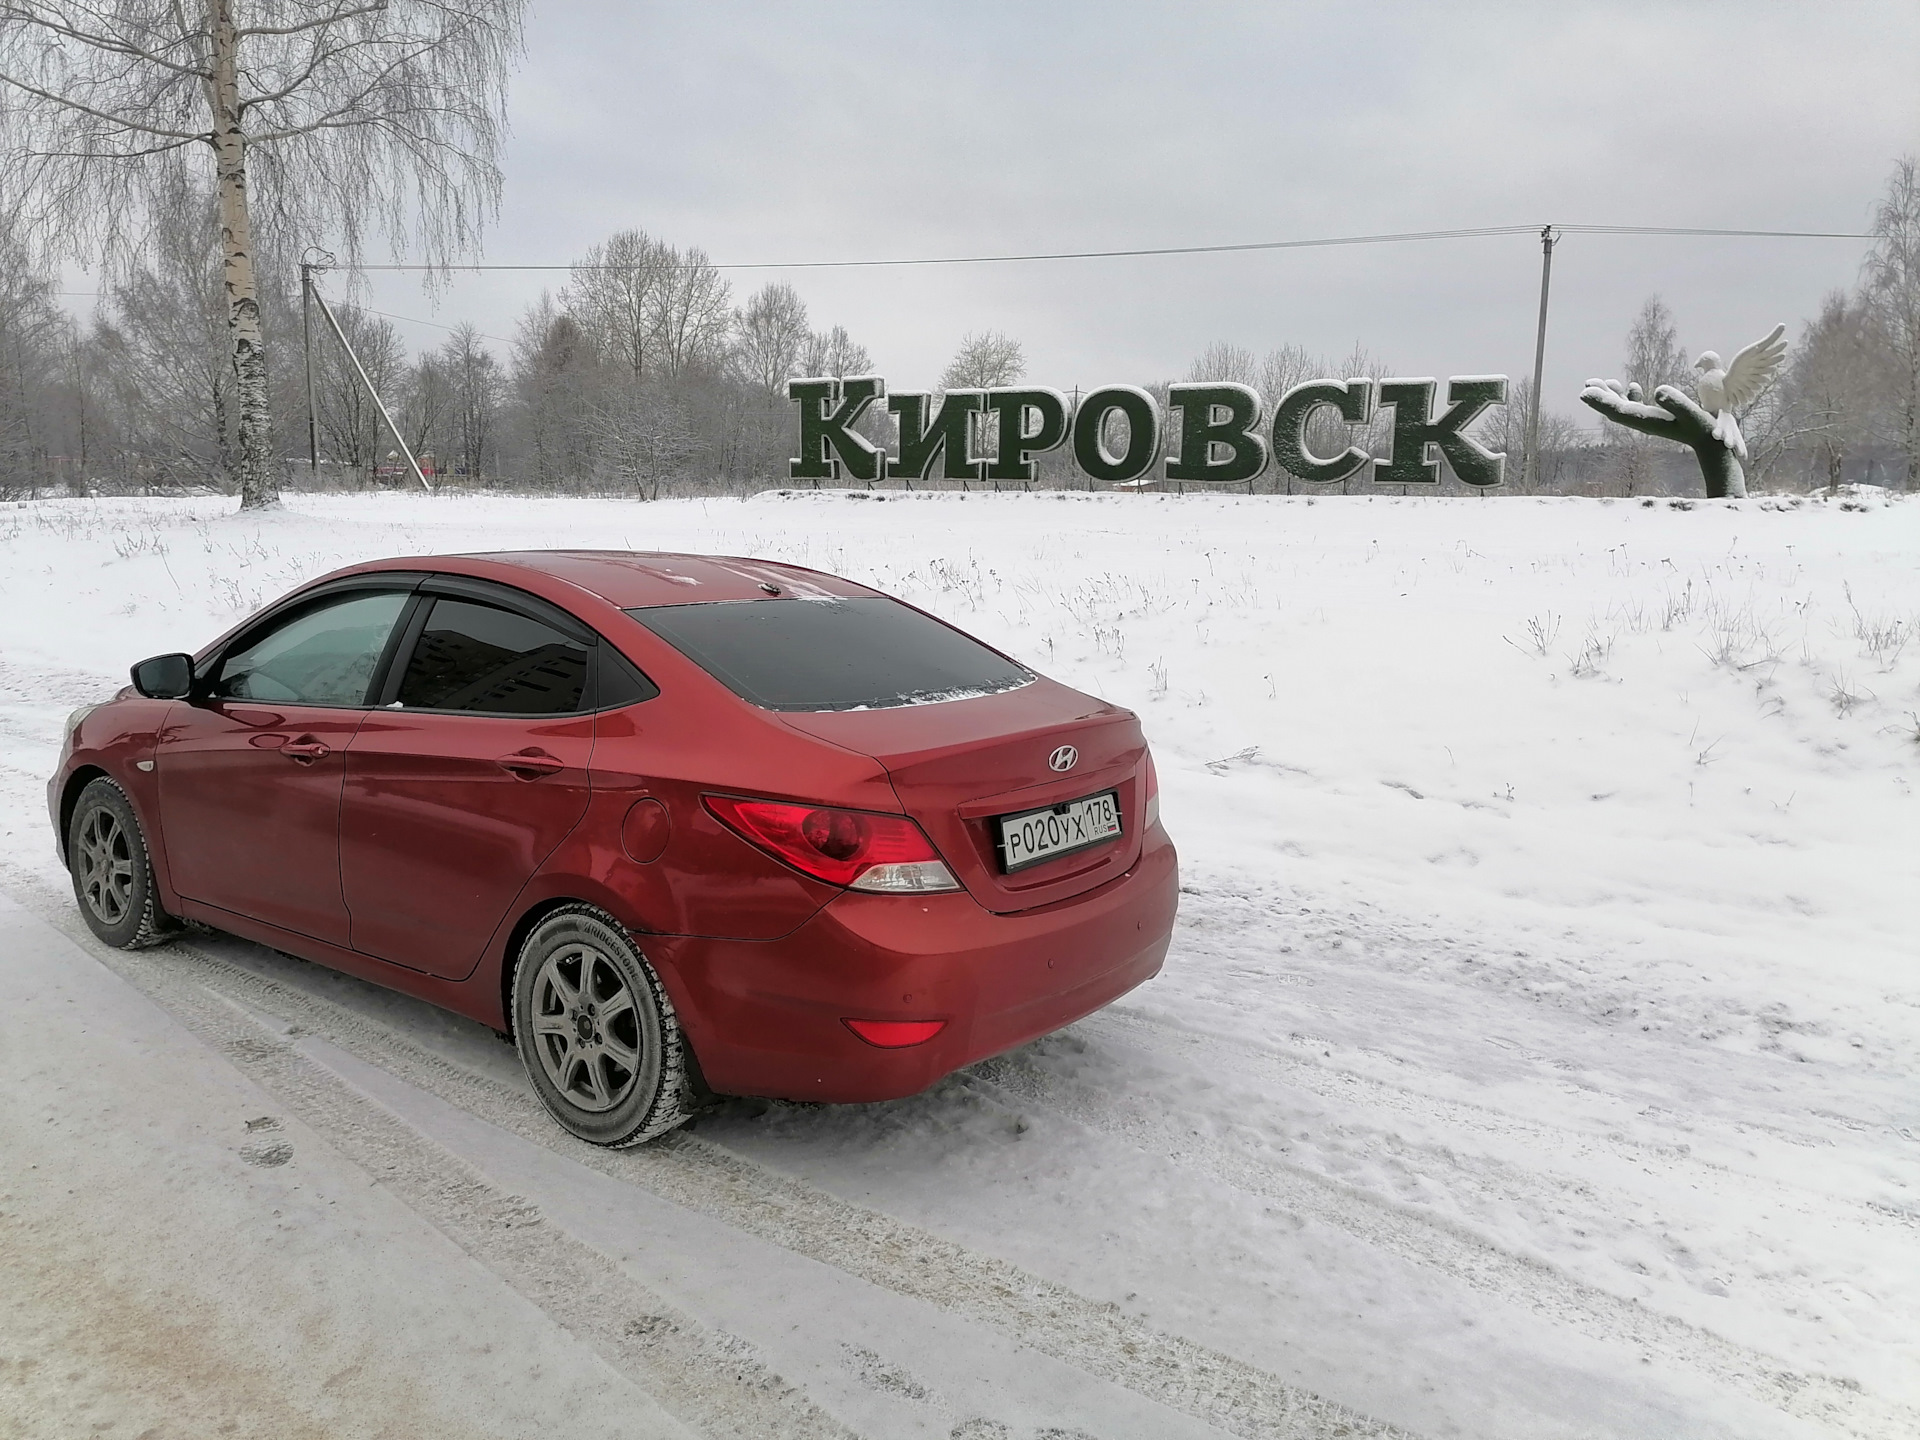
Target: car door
{"points": [[468, 776], [250, 770]]}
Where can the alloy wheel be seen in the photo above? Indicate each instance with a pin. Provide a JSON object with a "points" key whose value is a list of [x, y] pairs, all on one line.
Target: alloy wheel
{"points": [[106, 866], [586, 1030]]}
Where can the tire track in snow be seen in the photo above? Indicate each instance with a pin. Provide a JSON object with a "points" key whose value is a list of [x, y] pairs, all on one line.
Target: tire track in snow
{"points": [[712, 1381], [1097, 1338], [1438, 1243], [1183, 1046]]}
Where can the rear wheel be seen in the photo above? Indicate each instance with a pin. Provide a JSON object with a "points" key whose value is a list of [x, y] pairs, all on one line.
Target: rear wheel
{"points": [[112, 875], [596, 1031]]}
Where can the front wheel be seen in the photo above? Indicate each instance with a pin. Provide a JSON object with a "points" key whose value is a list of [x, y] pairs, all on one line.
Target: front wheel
{"points": [[596, 1031], [112, 875]]}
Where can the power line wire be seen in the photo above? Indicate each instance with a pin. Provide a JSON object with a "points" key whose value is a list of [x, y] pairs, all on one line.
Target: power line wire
{"points": [[1322, 242], [1682, 230]]}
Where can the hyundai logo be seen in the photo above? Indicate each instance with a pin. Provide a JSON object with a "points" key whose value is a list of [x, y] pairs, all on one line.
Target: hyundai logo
{"points": [[1065, 758]]}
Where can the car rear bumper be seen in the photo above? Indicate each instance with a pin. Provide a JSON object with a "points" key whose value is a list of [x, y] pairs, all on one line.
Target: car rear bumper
{"points": [[767, 1018]]}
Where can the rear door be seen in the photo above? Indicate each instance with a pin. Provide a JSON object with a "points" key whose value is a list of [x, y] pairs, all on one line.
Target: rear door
{"points": [[467, 777], [250, 771]]}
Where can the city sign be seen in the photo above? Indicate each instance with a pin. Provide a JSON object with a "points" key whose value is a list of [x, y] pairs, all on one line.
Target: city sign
{"points": [[1116, 431]]}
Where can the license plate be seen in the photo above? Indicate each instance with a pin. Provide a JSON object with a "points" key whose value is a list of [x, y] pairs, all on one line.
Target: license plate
{"points": [[1036, 835]]}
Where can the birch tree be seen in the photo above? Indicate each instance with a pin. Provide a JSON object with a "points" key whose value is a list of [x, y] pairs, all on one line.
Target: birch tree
{"points": [[476, 382], [984, 361], [167, 316], [1891, 288], [1835, 383], [834, 352], [770, 336], [322, 122], [34, 337], [693, 313], [615, 295]]}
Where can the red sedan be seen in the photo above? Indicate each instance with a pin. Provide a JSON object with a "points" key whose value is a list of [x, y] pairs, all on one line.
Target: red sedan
{"points": [[680, 826]]}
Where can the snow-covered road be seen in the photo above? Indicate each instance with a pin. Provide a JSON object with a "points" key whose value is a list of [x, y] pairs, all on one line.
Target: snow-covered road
{"points": [[1535, 1057]]}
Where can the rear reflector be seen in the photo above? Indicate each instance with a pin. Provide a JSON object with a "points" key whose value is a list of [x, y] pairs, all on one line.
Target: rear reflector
{"points": [[896, 1034]]}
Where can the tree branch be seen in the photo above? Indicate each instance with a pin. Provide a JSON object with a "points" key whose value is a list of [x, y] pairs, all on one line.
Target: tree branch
{"points": [[108, 43], [112, 154], [320, 24], [102, 115]]}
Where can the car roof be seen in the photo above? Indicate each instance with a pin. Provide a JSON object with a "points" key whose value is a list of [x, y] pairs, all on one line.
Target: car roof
{"points": [[632, 579]]}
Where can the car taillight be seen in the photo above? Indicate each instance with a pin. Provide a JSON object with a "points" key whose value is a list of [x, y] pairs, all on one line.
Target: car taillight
{"points": [[895, 1034], [887, 854], [1153, 794]]}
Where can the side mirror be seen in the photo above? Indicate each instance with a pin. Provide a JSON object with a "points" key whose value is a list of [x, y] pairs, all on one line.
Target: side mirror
{"points": [[164, 677]]}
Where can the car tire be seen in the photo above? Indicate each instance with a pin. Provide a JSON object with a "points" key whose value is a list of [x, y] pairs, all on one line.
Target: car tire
{"points": [[597, 1032], [112, 872]]}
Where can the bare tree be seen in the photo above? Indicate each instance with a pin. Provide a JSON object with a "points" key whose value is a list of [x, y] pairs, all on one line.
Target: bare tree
{"points": [[168, 312], [1654, 356], [1890, 285], [616, 296], [692, 314], [425, 407], [555, 370], [324, 119], [1834, 380], [834, 352], [984, 361], [476, 384], [644, 437], [1504, 428], [1280, 370], [34, 336], [769, 337], [350, 425], [1224, 361], [1284, 368]]}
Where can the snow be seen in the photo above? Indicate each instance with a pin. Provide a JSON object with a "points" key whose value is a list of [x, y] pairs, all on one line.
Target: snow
{"points": [[1534, 1057]]}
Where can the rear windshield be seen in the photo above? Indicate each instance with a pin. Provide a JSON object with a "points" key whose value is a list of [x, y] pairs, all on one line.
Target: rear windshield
{"points": [[865, 654]]}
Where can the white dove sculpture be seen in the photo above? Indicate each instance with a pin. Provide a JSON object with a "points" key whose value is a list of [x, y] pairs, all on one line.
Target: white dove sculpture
{"points": [[1724, 390]]}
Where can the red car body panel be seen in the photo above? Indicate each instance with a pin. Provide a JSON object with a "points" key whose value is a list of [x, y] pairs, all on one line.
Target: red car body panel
{"points": [[227, 780], [767, 1019], [437, 838], [439, 859]]}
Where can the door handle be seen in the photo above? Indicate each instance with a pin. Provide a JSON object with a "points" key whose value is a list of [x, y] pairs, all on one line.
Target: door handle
{"points": [[306, 750], [530, 764]]}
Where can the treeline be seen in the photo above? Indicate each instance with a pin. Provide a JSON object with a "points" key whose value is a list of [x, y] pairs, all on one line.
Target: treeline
{"points": [[646, 375], [640, 376]]}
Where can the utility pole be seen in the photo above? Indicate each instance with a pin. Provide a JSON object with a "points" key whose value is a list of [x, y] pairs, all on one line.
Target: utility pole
{"points": [[326, 313], [314, 259], [1547, 237]]}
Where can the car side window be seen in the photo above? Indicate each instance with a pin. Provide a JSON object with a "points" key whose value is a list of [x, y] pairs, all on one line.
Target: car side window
{"points": [[482, 658], [322, 656]]}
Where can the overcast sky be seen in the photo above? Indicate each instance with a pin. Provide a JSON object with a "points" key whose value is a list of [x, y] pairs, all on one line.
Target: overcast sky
{"points": [[789, 132]]}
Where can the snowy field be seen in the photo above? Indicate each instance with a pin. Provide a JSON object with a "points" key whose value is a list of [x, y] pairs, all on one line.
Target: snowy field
{"points": [[1536, 1056]]}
